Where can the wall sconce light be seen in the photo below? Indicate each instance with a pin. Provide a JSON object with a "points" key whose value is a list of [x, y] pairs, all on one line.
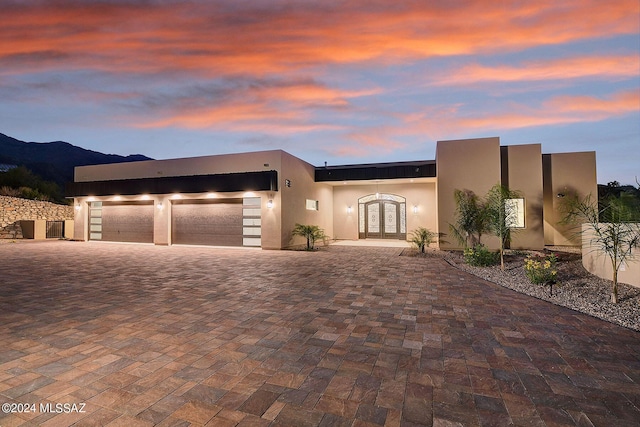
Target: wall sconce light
{"points": [[560, 195], [415, 209], [349, 209], [270, 203], [160, 206], [78, 207]]}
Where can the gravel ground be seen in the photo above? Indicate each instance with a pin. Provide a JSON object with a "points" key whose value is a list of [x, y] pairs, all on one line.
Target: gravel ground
{"points": [[576, 289]]}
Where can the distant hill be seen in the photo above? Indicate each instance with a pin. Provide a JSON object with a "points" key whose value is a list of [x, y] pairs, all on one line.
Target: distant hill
{"points": [[54, 161]]}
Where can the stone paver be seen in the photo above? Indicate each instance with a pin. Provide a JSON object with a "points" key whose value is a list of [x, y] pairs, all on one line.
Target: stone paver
{"points": [[172, 336]]}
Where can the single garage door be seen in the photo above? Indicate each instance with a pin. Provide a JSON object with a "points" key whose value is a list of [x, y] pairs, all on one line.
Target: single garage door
{"points": [[121, 221], [216, 222]]}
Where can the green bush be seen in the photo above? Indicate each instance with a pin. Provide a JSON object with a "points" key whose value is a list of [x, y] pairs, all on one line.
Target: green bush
{"points": [[480, 256]]}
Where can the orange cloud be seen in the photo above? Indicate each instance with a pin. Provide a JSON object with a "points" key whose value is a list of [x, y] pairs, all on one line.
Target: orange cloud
{"points": [[592, 108], [260, 106], [570, 68], [558, 110], [379, 141], [190, 43], [213, 38], [318, 95], [435, 123]]}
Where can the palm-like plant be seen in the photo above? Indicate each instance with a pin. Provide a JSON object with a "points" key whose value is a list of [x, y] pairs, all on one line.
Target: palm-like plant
{"points": [[470, 218], [309, 232], [422, 237], [498, 215]]}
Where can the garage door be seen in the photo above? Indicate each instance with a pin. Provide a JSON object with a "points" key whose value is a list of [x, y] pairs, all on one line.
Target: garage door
{"points": [[121, 221], [216, 222]]}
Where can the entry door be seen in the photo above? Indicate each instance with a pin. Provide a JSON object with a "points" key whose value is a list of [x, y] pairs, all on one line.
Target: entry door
{"points": [[382, 220]]}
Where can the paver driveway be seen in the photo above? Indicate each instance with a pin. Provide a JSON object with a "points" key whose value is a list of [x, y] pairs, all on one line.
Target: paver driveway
{"points": [[146, 335]]}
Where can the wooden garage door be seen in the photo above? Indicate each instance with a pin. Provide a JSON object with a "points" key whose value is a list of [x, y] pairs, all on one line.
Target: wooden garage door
{"points": [[215, 222], [122, 222]]}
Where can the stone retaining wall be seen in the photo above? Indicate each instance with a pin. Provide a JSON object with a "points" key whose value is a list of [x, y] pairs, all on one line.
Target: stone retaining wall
{"points": [[14, 209]]}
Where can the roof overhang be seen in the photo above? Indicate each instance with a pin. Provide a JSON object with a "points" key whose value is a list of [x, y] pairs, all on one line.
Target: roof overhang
{"points": [[230, 182], [377, 172]]}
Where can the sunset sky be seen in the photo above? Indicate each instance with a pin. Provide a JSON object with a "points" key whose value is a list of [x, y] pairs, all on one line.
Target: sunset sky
{"points": [[337, 81]]}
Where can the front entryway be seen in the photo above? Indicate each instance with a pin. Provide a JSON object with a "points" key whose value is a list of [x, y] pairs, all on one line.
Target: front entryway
{"points": [[382, 216]]}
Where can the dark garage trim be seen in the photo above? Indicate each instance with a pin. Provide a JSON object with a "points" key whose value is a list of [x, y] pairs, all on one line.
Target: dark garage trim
{"points": [[243, 181]]}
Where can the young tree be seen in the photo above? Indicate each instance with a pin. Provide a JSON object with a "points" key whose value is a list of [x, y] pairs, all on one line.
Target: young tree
{"points": [[613, 229], [498, 215], [470, 218], [310, 232], [422, 237]]}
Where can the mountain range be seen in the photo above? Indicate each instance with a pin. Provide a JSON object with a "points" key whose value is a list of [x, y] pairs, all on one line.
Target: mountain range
{"points": [[54, 161]]}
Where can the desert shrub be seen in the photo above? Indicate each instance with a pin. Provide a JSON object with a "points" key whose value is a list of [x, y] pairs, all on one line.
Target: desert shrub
{"points": [[30, 185], [611, 225], [541, 270], [8, 191], [33, 194], [480, 256]]}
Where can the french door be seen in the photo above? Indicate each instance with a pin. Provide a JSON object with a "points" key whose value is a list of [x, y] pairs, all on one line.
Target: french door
{"points": [[382, 220]]}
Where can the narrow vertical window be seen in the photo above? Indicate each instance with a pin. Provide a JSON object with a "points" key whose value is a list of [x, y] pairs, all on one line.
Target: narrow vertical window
{"points": [[514, 213]]}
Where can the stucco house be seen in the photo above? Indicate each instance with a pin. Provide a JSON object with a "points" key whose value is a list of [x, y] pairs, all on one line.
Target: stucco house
{"points": [[255, 199]]}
